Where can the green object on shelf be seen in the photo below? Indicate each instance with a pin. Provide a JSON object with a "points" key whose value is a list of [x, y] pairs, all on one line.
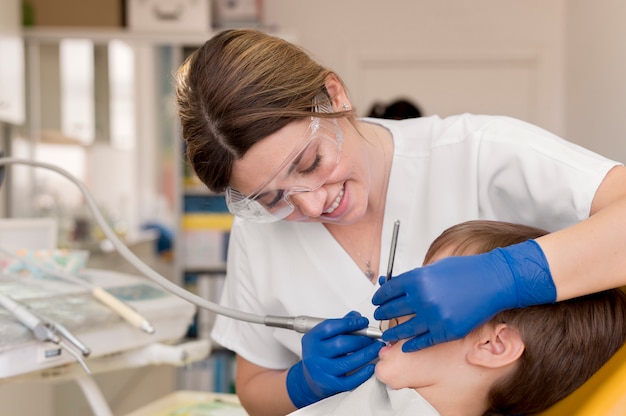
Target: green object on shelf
{"points": [[28, 14]]}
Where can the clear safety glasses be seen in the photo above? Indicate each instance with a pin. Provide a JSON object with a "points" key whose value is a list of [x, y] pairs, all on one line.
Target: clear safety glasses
{"points": [[304, 170]]}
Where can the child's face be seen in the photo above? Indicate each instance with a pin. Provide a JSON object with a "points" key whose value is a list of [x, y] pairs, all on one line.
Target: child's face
{"points": [[417, 369], [422, 368]]}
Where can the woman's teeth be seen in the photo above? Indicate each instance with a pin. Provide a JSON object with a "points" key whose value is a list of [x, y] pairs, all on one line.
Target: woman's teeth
{"points": [[336, 202]]}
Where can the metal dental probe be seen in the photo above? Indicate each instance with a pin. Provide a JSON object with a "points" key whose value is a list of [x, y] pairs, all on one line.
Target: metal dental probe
{"points": [[392, 252], [392, 255], [303, 323]]}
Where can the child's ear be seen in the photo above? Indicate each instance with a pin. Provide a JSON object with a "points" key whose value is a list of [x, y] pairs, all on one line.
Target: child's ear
{"points": [[337, 93], [496, 346]]}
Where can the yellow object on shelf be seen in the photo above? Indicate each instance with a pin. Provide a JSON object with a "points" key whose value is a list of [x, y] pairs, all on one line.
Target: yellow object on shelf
{"points": [[213, 221], [197, 403], [604, 394]]}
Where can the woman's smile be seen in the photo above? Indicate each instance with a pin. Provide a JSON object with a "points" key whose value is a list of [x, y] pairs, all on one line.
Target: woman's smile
{"points": [[336, 202]]}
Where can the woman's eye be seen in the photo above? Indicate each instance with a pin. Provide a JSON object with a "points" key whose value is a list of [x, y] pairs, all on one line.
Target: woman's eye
{"points": [[270, 199], [313, 165], [277, 198]]}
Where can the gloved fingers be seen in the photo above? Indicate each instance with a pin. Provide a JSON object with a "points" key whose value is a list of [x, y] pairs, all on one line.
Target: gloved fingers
{"points": [[413, 327], [395, 308], [392, 289], [352, 362], [420, 342], [353, 321], [337, 346]]}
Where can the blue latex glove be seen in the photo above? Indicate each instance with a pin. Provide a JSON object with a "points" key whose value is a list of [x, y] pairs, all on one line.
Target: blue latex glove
{"points": [[456, 294], [332, 361]]}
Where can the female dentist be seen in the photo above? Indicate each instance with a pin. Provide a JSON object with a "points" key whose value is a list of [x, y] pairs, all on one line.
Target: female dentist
{"points": [[317, 191]]}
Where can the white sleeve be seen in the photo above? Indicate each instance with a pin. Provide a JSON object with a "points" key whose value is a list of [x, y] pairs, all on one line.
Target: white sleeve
{"points": [[254, 342], [529, 175]]}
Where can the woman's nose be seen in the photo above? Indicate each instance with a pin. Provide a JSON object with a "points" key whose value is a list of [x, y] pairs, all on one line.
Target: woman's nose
{"points": [[309, 203]]}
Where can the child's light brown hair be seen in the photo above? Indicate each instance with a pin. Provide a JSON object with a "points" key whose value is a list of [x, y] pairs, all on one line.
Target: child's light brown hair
{"points": [[565, 342]]}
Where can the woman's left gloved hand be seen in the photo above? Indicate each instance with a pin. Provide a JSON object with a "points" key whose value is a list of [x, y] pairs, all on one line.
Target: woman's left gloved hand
{"points": [[333, 360], [454, 295]]}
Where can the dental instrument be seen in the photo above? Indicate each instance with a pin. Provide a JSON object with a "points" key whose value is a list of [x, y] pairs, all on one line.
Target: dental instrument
{"points": [[45, 330], [300, 323], [122, 309], [392, 252], [384, 325]]}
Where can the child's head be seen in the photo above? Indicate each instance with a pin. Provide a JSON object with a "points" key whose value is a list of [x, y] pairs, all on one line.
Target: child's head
{"points": [[522, 360]]}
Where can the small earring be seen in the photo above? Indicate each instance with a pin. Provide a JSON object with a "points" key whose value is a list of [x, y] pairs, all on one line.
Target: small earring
{"points": [[345, 107]]}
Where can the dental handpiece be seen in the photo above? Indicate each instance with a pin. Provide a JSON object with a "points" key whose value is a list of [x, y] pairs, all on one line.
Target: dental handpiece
{"points": [[304, 323]]}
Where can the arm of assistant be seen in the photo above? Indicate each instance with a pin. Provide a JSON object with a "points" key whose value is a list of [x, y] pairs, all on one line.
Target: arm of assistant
{"points": [[333, 361], [452, 296]]}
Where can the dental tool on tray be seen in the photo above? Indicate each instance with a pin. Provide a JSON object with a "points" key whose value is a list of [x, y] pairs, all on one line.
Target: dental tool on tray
{"points": [[46, 330], [116, 305], [300, 323]]}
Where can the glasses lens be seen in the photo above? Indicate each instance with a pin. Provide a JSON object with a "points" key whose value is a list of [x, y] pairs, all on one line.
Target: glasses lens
{"points": [[302, 171], [254, 210]]}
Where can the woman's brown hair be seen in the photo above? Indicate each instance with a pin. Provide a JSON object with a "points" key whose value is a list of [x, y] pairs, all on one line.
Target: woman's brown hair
{"points": [[239, 87], [565, 342]]}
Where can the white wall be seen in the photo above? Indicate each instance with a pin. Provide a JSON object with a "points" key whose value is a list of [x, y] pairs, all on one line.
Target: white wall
{"points": [[450, 56], [595, 76], [575, 50]]}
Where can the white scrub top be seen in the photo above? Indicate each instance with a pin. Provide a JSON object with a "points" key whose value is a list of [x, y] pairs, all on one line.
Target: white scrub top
{"points": [[371, 398], [444, 171]]}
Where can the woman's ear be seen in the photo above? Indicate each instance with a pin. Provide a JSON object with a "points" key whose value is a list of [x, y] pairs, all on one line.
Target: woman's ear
{"points": [[337, 93], [495, 346]]}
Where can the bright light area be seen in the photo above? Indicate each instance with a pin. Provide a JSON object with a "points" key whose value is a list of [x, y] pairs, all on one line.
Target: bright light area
{"points": [[76, 58], [43, 193], [122, 95]]}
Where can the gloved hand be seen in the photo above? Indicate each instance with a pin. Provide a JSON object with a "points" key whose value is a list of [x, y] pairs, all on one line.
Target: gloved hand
{"points": [[456, 294], [332, 361]]}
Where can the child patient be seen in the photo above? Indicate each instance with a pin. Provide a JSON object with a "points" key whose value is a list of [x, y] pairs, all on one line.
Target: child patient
{"points": [[520, 362]]}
